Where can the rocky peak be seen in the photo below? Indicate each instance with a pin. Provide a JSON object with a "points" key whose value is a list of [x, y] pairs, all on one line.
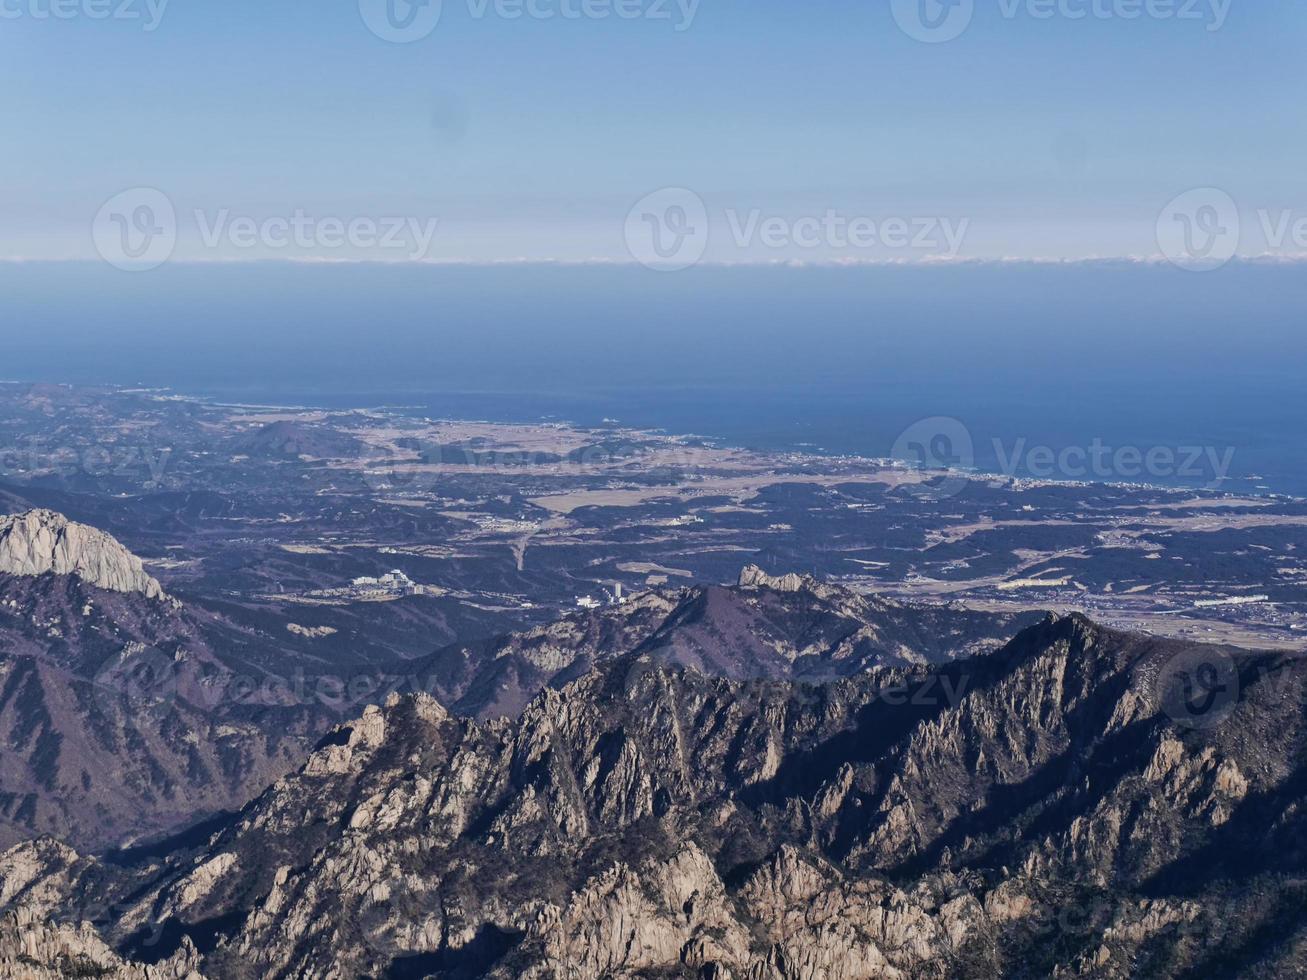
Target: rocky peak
{"points": [[793, 583], [41, 542], [751, 576]]}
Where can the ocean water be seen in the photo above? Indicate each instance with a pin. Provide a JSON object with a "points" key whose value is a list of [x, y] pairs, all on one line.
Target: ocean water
{"points": [[1110, 371]]}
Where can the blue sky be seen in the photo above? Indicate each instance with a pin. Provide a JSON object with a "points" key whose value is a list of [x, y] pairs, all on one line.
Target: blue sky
{"points": [[1039, 136]]}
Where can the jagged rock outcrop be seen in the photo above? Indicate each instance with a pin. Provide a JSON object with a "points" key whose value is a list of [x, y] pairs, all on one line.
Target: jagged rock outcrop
{"points": [[32, 948], [1041, 810], [41, 542], [753, 577], [38, 874], [50, 926]]}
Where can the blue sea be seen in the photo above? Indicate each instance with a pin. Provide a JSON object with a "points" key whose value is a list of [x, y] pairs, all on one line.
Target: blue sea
{"points": [[1114, 370]]}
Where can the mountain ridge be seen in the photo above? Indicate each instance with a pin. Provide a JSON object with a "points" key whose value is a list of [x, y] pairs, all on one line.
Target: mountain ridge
{"points": [[788, 626], [1034, 810]]}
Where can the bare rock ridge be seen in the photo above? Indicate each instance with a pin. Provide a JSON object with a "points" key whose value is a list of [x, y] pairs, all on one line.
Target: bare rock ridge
{"points": [[33, 950], [1033, 811], [41, 542]]}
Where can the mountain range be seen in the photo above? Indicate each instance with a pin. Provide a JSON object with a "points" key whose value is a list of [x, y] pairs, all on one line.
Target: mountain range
{"points": [[129, 713], [777, 779]]}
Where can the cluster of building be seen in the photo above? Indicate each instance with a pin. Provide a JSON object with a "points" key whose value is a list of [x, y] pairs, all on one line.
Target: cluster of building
{"points": [[615, 598], [393, 582]]}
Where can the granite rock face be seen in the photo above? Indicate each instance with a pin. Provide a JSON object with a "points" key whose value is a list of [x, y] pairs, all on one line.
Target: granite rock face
{"points": [[1042, 810], [41, 542]]}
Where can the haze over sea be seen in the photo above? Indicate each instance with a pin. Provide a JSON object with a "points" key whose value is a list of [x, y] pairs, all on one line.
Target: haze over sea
{"points": [[1120, 355]]}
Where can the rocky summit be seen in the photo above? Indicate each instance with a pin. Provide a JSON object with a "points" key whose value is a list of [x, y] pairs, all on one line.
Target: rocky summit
{"points": [[41, 542], [1080, 802]]}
